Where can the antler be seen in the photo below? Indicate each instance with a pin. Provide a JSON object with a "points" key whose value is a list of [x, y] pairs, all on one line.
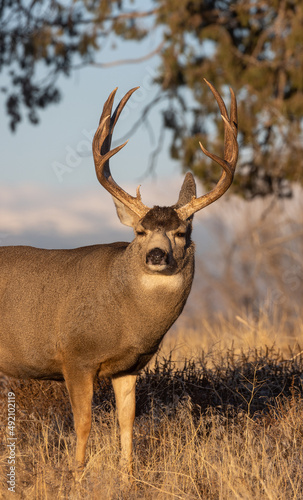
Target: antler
{"points": [[102, 153], [228, 163]]}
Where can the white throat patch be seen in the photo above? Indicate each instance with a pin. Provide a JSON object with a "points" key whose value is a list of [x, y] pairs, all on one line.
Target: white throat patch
{"points": [[169, 282]]}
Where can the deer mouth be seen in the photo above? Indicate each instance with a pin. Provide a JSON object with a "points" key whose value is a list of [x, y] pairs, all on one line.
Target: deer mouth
{"points": [[160, 261]]}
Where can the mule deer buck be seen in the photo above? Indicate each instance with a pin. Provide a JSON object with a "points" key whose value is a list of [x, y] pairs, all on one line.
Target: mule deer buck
{"points": [[103, 310]]}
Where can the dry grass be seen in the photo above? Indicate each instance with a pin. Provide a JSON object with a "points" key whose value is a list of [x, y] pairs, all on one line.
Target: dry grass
{"points": [[225, 425], [198, 336]]}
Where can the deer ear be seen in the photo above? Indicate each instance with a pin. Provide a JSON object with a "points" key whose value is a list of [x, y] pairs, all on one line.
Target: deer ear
{"points": [[187, 191], [125, 214]]}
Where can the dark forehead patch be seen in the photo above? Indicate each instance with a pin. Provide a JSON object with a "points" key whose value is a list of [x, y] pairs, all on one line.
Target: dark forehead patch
{"points": [[164, 217]]}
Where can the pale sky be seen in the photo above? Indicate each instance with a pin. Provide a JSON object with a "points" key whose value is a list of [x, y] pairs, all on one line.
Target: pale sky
{"points": [[33, 153], [54, 157]]}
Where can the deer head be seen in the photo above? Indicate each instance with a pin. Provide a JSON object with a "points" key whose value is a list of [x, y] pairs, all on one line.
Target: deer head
{"points": [[163, 233]]}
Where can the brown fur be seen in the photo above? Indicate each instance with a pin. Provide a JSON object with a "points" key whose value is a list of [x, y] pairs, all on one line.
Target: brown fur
{"points": [[99, 310]]}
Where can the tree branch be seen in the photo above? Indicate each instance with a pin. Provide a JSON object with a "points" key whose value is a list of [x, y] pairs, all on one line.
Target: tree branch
{"points": [[126, 61], [98, 20]]}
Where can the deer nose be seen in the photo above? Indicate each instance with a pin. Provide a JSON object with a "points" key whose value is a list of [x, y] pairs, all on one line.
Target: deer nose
{"points": [[157, 257]]}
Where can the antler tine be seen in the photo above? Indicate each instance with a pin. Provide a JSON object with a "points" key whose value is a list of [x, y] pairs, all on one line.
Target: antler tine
{"points": [[230, 125], [228, 163], [102, 153]]}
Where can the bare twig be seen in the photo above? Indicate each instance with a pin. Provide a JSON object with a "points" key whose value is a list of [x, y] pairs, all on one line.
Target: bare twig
{"points": [[127, 61]]}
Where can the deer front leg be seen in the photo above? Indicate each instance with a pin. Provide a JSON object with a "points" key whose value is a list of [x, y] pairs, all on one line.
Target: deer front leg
{"points": [[125, 394], [80, 388]]}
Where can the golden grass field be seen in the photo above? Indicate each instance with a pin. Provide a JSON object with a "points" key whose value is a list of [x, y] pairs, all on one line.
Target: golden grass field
{"points": [[227, 424], [219, 412]]}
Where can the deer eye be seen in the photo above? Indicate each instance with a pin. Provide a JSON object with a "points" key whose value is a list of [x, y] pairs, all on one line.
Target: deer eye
{"points": [[180, 234], [140, 233]]}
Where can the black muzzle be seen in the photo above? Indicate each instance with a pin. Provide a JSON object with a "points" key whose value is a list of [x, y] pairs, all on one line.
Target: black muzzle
{"points": [[157, 257]]}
